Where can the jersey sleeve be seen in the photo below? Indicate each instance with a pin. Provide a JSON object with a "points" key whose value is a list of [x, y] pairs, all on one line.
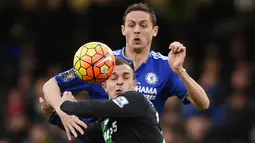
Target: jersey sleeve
{"points": [[69, 81], [176, 87], [91, 134], [129, 104]]}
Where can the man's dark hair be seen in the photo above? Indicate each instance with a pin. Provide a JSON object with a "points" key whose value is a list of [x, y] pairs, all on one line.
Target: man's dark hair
{"points": [[141, 7], [119, 61]]}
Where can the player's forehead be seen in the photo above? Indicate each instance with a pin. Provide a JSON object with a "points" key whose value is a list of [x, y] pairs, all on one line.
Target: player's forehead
{"points": [[122, 69], [137, 16]]}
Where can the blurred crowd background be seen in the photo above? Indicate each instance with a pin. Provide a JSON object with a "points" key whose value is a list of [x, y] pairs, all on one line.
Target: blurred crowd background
{"points": [[38, 39]]}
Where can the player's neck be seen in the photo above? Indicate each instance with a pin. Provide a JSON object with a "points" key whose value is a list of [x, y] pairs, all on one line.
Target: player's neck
{"points": [[138, 57]]}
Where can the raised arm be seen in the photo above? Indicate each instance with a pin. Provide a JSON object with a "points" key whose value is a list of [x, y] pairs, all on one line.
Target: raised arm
{"points": [[196, 93], [52, 92]]}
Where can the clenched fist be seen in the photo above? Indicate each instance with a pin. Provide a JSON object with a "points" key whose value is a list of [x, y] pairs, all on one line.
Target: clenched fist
{"points": [[176, 56]]}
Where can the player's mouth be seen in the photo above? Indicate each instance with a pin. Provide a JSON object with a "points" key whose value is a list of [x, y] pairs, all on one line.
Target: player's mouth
{"points": [[137, 40], [119, 91]]}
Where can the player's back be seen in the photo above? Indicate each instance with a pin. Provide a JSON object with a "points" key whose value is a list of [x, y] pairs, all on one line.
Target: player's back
{"points": [[141, 127], [129, 118], [137, 130]]}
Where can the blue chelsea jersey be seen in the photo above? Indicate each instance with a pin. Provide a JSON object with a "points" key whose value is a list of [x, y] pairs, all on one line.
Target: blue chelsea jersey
{"points": [[156, 81]]}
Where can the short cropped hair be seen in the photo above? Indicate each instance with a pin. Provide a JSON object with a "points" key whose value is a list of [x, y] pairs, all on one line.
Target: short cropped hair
{"points": [[119, 61], [141, 7]]}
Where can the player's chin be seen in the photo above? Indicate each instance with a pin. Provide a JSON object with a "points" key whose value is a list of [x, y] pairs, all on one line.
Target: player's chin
{"points": [[138, 47], [118, 93], [113, 96]]}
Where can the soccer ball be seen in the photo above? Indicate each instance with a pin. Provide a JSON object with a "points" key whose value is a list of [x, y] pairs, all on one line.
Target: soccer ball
{"points": [[94, 62]]}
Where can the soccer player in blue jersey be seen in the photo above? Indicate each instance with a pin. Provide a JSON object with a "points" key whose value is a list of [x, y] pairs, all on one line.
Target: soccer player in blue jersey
{"points": [[159, 77]]}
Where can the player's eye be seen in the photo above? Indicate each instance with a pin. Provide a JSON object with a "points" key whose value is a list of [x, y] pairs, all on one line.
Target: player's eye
{"points": [[113, 78], [144, 25], [130, 25], [126, 77]]}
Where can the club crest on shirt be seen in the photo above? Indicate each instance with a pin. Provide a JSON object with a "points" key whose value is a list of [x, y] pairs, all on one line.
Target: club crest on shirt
{"points": [[67, 75], [151, 78]]}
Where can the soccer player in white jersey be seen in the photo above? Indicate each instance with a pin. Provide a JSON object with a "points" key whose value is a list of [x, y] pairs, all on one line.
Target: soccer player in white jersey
{"points": [[159, 77]]}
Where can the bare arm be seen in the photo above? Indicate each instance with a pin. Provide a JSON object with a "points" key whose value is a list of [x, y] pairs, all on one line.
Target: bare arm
{"points": [[196, 94], [52, 93]]}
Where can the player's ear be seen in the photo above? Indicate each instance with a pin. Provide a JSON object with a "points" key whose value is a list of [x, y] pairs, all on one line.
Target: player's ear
{"points": [[104, 86], [135, 83], [123, 30], [155, 31]]}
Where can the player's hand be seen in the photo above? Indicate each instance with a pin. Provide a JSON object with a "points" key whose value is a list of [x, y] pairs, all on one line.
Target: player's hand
{"points": [[70, 122], [176, 56], [68, 96], [45, 107]]}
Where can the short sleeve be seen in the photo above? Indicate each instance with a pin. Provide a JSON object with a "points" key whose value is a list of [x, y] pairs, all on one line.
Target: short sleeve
{"points": [[176, 87], [69, 81]]}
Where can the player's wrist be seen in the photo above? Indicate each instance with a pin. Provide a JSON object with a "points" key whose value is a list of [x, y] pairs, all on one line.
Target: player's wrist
{"points": [[58, 106], [180, 71], [57, 109]]}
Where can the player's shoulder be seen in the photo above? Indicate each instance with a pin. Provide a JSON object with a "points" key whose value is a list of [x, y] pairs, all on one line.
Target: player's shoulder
{"points": [[132, 93], [117, 52], [158, 56], [160, 61], [133, 96]]}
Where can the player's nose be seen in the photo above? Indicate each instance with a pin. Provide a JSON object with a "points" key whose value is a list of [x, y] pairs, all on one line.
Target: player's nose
{"points": [[137, 29], [120, 81]]}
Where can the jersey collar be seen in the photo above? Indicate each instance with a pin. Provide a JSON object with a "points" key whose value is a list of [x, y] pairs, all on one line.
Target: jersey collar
{"points": [[122, 54]]}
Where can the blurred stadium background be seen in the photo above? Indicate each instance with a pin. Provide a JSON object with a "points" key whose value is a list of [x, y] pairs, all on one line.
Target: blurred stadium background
{"points": [[38, 39]]}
